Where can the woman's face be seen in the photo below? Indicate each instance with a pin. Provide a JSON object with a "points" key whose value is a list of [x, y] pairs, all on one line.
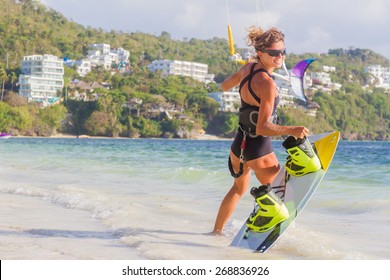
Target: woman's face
{"points": [[274, 55]]}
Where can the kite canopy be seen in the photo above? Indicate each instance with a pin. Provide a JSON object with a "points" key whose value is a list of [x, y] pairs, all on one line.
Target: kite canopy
{"points": [[296, 78], [300, 68]]}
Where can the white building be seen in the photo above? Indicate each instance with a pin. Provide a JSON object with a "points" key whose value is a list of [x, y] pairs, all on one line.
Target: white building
{"points": [[101, 54], [286, 97], [380, 76], [327, 68], [121, 54], [195, 70], [229, 101], [102, 48], [83, 66], [42, 78], [321, 77], [248, 53]]}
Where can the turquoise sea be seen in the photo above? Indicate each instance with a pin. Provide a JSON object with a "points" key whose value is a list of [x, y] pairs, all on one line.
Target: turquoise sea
{"points": [[68, 198]]}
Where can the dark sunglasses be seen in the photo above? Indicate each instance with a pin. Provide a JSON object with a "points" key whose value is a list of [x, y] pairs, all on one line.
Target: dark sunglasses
{"points": [[275, 52]]}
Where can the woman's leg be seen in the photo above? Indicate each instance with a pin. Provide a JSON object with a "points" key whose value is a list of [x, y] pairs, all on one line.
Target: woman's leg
{"points": [[266, 168], [229, 203]]}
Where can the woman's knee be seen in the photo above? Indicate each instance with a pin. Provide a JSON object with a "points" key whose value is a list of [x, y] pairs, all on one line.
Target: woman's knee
{"points": [[267, 175], [240, 188]]}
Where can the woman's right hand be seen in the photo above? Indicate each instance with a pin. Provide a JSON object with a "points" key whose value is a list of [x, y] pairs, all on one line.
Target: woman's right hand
{"points": [[299, 132]]}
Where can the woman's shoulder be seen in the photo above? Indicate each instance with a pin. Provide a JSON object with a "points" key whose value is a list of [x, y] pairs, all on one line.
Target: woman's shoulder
{"points": [[247, 66], [263, 74], [263, 81]]}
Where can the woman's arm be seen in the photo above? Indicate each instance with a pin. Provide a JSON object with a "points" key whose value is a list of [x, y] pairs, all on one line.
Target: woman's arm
{"points": [[232, 81]]}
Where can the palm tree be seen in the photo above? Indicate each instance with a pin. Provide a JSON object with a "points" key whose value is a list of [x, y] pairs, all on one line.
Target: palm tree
{"points": [[13, 78], [3, 78]]}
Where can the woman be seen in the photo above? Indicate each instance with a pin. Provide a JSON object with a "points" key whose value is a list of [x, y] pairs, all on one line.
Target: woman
{"points": [[259, 95]]}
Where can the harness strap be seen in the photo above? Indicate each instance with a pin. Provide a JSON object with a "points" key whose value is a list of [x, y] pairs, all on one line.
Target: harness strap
{"points": [[248, 79], [243, 145]]}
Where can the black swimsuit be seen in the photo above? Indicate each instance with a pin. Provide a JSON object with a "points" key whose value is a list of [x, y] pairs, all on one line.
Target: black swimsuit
{"points": [[256, 146]]}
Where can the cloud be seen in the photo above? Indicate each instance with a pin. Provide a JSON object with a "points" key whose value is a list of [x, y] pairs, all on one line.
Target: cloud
{"points": [[309, 25], [189, 16], [319, 26]]}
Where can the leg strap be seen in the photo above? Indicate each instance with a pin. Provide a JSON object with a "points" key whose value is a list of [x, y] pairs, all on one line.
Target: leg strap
{"points": [[243, 144]]}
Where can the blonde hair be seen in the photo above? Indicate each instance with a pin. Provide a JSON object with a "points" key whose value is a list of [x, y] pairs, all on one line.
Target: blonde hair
{"points": [[260, 39]]}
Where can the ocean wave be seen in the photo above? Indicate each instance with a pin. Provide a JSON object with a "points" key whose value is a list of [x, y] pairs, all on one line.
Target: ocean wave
{"points": [[68, 197]]}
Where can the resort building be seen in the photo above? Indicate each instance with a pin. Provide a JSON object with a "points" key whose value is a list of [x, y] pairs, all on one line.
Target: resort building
{"points": [[248, 53], [42, 78], [321, 78], [327, 68], [380, 76], [83, 66], [101, 55], [229, 101], [195, 70]]}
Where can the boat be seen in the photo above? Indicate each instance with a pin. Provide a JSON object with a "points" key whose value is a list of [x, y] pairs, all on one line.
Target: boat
{"points": [[5, 135]]}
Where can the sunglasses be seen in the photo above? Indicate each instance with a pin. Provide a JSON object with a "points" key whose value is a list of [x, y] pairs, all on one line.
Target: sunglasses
{"points": [[275, 53]]}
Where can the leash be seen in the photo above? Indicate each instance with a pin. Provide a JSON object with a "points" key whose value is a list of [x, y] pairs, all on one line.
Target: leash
{"points": [[243, 145]]}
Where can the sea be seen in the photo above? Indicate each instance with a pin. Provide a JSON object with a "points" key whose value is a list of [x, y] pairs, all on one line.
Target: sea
{"points": [[157, 199]]}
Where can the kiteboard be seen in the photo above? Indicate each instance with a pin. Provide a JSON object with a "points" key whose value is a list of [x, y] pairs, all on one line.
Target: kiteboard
{"points": [[294, 191]]}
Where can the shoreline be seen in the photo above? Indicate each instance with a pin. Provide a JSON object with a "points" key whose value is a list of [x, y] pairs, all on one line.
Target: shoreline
{"points": [[84, 136], [206, 137]]}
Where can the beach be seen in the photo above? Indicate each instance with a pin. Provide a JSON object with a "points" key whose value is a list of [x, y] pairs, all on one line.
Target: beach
{"points": [[25, 234], [156, 199]]}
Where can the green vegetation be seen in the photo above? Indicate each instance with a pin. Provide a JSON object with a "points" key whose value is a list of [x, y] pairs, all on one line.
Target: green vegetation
{"points": [[29, 118], [142, 104]]}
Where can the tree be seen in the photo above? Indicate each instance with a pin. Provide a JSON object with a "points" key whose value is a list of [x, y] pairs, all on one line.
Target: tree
{"points": [[147, 128], [80, 112], [98, 124], [3, 79], [111, 106], [224, 124], [15, 100]]}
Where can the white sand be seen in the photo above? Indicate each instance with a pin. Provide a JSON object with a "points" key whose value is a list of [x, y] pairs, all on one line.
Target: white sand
{"points": [[72, 234]]}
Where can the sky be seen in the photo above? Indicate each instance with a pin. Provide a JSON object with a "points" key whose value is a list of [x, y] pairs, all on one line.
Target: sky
{"points": [[309, 25]]}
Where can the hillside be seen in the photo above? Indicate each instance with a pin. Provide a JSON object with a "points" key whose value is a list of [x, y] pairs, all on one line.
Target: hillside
{"points": [[31, 28]]}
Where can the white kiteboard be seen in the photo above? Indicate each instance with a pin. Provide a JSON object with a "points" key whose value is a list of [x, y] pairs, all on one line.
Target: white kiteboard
{"points": [[294, 191]]}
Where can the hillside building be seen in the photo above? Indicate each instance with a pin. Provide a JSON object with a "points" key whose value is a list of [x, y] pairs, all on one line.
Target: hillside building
{"points": [[41, 79], [229, 101], [101, 55], [195, 70], [322, 78], [380, 76]]}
